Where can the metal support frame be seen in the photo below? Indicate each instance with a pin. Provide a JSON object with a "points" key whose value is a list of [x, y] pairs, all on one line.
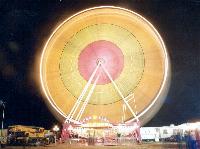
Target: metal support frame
{"points": [[87, 99], [76, 105], [120, 93]]}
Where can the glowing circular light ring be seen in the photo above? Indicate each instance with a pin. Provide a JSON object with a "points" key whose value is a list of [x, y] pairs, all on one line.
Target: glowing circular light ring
{"points": [[165, 81]]}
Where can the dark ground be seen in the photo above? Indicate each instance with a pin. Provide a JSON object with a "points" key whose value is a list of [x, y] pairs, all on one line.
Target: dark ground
{"points": [[25, 26], [135, 146]]}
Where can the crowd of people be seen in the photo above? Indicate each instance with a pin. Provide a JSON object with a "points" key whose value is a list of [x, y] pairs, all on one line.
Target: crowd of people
{"points": [[190, 139]]}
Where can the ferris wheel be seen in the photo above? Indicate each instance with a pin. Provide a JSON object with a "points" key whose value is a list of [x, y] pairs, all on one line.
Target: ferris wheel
{"points": [[105, 61]]}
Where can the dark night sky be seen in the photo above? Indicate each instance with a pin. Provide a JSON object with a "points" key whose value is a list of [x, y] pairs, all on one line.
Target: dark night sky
{"points": [[25, 25]]}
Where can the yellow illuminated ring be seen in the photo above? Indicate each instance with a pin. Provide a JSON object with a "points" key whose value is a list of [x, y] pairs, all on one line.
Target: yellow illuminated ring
{"points": [[145, 71]]}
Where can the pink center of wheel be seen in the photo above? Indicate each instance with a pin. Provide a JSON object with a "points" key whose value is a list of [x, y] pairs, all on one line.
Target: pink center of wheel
{"points": [[107, 54]]}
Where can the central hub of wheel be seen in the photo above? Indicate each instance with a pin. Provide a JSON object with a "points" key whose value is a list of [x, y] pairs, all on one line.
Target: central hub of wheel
{"points": [[105, 53], [100, 61]]}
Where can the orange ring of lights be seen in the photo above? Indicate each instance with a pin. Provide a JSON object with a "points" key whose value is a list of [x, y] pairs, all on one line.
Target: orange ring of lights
{"points": [[144, 67]]}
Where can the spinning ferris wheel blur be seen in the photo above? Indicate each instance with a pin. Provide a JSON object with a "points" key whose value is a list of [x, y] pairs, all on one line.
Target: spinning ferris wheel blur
{"points": [[105, 61]]}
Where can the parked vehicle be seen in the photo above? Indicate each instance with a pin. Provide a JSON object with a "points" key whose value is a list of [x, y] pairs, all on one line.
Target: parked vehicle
{"points": [[26, 135], [3, 138]]}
